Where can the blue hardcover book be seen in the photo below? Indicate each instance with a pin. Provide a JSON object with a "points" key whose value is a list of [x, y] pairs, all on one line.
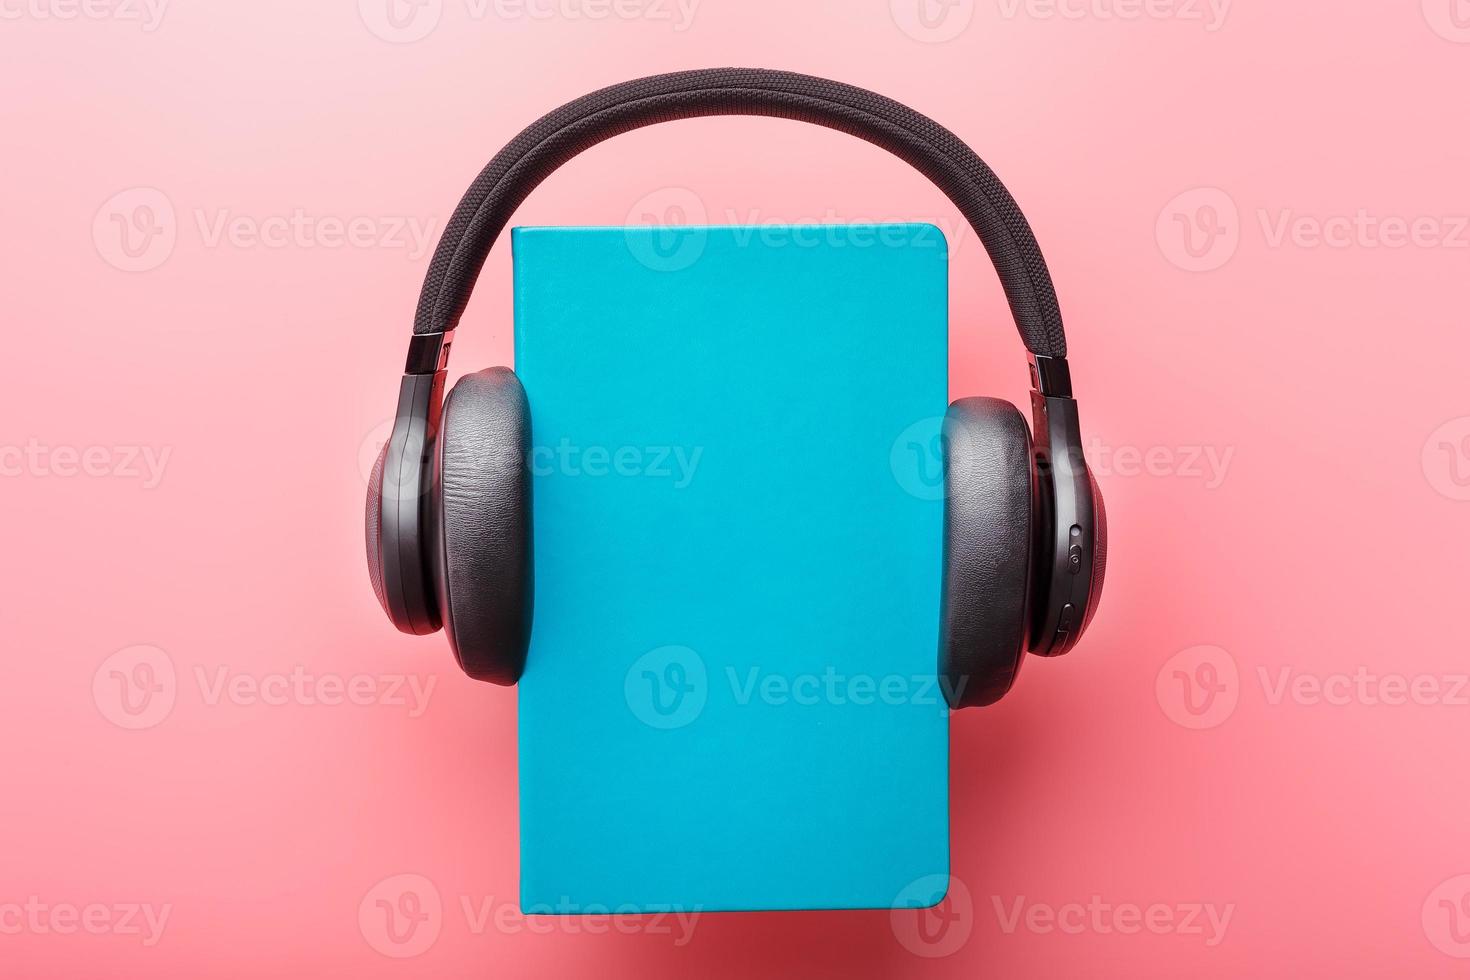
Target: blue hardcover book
{"points": [[730, 699]]}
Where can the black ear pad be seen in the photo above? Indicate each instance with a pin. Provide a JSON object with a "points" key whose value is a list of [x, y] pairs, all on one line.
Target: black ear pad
{"points": [[373, 529], [988, 519], [484, 524]]}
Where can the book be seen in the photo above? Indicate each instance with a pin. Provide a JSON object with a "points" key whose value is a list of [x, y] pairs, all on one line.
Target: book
{"points": [[730, 700]]}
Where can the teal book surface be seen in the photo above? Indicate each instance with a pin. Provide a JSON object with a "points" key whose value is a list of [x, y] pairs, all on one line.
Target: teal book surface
{"points": [[730, 698]]}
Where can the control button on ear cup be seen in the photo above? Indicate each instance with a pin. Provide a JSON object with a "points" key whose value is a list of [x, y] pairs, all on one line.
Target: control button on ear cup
{"points": [[484, 524], [988, 520], [373, 529]]}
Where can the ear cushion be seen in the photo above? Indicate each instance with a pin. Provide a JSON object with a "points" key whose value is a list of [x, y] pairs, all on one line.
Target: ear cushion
{"points": [[484, 496], [988, 521]]}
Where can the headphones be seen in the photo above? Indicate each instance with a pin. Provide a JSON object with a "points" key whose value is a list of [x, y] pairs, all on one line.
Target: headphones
{"points": [[449, 501]]}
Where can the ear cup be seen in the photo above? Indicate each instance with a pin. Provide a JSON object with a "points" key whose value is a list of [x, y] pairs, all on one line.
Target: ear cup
{"points": [[1099, 552], [373, 530], [484, 524], [988, 520]]}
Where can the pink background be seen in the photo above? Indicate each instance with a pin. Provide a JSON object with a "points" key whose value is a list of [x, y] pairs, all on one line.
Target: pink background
{"points": [[1267, 721]]}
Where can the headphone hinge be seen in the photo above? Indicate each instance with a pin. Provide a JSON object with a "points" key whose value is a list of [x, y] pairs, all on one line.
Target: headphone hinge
{"points": [[1050, 375], [428, 353]]}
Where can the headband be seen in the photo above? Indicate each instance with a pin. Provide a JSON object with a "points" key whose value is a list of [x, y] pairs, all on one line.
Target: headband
{"points": [[583, 123]]}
